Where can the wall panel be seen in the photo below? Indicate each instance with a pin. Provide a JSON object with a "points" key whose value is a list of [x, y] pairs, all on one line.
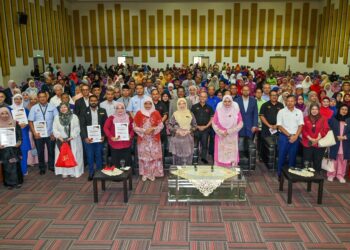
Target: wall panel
{"points": [[312, 39], [244, 36], [202, 29], [110, 32], [287, 26], [94, 43], [177, 30], [135, 35], [194, 32], [118, 27], [228, 17], [296, 31], [86, 38], [278, 37], [10, 37], [343, 27], [304, 33], [144, 38], [102, 31], [211, 21], [185, 35], [252, 42], [152, 35], [236, 30], [270, 28], [218, 52], [160, 35], [347, 35], [262, 30], [23, 35], [126, 33]]}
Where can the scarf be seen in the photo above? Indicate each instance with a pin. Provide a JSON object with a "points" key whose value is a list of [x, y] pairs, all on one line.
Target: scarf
{"points": [[227, 116], [9, 122], [340, 117], [183, 116], [120, 118], [347, 103], [14, 106], [143, 110], [65, 118]]}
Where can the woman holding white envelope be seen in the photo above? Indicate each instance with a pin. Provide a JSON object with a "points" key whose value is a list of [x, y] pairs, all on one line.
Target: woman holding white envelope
{"points": [[119, 132]]}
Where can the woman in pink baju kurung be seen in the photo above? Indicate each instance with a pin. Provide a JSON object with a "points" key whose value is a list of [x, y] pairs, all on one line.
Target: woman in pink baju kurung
{"points": [[148, 125], [226, 123]]}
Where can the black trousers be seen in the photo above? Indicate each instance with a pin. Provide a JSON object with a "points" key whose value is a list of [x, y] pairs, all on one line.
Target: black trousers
{"points": [[202, 138], [314, 155], [121, 154], [211, 141], [40, 146]]}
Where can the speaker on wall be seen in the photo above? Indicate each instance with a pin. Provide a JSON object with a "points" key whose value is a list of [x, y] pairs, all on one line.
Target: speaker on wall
{"points": [[22, 17]]}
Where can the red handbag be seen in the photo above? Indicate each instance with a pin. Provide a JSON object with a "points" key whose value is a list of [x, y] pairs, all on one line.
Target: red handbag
{"points": [[66, 158]]}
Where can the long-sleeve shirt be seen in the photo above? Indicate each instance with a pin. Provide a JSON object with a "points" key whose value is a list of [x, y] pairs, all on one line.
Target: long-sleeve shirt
{"points": [[321, 127], [109, 130]]}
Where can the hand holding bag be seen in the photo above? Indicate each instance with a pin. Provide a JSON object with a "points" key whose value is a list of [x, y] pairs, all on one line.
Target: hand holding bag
{"points": [[327, 163], [66, 158], [327, 141]]}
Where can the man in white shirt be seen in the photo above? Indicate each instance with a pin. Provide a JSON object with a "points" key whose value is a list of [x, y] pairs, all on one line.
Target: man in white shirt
{"points": [[109, 103], [290, 122]]}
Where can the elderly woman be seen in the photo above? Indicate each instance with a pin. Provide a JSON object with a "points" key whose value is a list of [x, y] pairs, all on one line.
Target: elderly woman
{"points": [[17, 103], [66, 128], [148, 125], [182, 125], [226, 123], [120, 149], [10, 156], [32, 89], [193, 97]]}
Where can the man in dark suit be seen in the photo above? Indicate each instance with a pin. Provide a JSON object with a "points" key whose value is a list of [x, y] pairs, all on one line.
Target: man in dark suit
{"points": [[82, 103], [249, 112], [93, 116]]}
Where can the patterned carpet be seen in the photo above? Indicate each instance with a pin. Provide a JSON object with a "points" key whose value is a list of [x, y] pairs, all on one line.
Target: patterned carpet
{"points": [[54, 213]]}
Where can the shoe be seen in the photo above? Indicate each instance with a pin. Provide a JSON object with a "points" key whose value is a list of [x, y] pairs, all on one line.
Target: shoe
{"points": [[64, 176], [18, 186], [152, 178], [330, 178], [144, 178], [91, 177], [342, 180], [52, 169], [42, 172], [204, 161], [10, 187], [25, 174]]}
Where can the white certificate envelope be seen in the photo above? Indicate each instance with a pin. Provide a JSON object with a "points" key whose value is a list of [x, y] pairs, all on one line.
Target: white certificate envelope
{"points": [[94, 133], [8, 137], [20, 116], [40, 127], [122, 130], [273, 131]]}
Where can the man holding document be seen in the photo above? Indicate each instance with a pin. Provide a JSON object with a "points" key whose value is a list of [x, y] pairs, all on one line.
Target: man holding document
{"points": [[40, 119], [91, 123]]}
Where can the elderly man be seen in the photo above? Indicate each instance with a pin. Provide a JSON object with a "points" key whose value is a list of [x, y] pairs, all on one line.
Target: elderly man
{"points": [[56, 99]]}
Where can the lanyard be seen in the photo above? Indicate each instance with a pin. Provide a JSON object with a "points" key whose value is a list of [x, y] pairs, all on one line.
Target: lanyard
{"points": [[43, 112]]}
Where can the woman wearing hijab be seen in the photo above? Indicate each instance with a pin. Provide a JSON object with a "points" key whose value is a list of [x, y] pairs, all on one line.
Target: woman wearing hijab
{"points": [[148, 125], [340, 152], [315, 127], [10, 156], [32, 89], [119, 149], [328, 90], [182, 125], [227, 123], [300, 104], [26, 100], [306, 84], [346, 100], [316, 86], [325, 111], [17, 103], [66, 128], [193, 97]]}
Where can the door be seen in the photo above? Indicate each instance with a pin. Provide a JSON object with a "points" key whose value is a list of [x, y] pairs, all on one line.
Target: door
{"points": [[278, 63]]}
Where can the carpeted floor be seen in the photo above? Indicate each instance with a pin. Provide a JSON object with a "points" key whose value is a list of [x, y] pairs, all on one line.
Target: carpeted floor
{"points": [[51, 213]]}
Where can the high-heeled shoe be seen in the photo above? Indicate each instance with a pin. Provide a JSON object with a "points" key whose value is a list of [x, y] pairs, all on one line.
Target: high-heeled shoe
{"points": [[144, 178]]}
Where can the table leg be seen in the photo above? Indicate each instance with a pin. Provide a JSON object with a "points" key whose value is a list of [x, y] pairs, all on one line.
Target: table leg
{"points": [[94, 183], [281, 182], [125, 190], [320, 192], [290, 192], [309, 186], [130, 182], [103, 185]]}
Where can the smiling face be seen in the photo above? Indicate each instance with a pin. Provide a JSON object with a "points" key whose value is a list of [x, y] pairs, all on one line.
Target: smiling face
{"points": [[18, 100], [325, 103], [227, 102], [148, 105], [182, 105], [4, 115], [120, 109], [344, 110], [314, 111], [63, 109]]}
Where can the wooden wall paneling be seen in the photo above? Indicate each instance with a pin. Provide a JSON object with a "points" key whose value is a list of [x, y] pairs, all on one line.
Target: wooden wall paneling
{"points": [[54, 35], [152, 35], [319, 32], [135, 35], [252, 42], [185, 34], [29, 29], [218, 45], [86, 38], [144, 38], [338, 30], [57, 26], [70, 26], [330, 28], [102, 32], [177, 37], [44, 33], [244, 36], [296, 31], [63, 30], [49, 27], [118, 27], [236, 30], [94, 43], [10, 38], [127, 33], [304, 33], [326, 31], [334, 28], [160, 35], [211, 29], [202, 29], [60, 35], [110, 33], [343, 27], [4, 48], [23, 34], [312, 39], [194, 32], [169, 36], [278, 37], [65, 24], [346, 40], [77, 34], [321, 40], [34, 25], [270, 27], [15, 23], [287, 26], [262, 30], [227, 39]]}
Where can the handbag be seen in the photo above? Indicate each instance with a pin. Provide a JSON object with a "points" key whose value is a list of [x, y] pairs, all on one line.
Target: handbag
{"points": [[327, 141], [66, 158], [327, 163]]}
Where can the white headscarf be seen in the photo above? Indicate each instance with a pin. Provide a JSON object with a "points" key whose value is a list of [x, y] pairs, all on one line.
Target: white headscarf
{"points": [[14, 106], [227, 116], [143, 110]]}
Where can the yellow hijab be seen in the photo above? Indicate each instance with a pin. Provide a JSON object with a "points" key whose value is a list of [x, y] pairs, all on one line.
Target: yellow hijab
{"points": [[183, 116]]}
